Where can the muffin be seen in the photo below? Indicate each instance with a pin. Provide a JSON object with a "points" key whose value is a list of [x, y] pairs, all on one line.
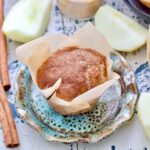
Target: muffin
{"points": [[80, 70]]}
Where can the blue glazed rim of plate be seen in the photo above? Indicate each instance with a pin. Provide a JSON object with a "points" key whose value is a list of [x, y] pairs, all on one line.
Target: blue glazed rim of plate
{"points": [[139, 9], [125, 114]]}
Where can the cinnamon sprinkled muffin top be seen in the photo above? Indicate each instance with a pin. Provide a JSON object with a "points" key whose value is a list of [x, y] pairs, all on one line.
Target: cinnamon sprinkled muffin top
{"points": [[80, 70]]}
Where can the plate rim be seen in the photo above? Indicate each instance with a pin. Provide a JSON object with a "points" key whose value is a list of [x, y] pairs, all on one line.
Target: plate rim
{"points": [[140, 12]]}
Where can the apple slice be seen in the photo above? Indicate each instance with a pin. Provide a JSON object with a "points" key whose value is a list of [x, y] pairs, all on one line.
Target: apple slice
{"points": [[27, 20], [148, 46], [123, 33], [144, 112]]}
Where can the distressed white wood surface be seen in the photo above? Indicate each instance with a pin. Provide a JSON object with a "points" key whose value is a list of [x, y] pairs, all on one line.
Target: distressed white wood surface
{"points": [[128, 137]]}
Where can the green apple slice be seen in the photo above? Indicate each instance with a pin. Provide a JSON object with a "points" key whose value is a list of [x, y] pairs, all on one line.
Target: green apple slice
{"points": [[144, 112], [123, 33], [148, 46], [27, 20]]}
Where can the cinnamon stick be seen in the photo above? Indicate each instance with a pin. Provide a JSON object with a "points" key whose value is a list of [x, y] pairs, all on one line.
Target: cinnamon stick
{"points": [[5, 127], [3, 52], [5, 104]]}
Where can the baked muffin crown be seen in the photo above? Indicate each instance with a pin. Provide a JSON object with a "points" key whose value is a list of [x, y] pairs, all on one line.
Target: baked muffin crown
{"points": [[80, 70]]}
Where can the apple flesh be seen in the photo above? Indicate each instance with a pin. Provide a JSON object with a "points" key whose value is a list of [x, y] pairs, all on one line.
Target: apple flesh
{"points": [[144, 112], [27, 20], [148, 46], [122, 33]]}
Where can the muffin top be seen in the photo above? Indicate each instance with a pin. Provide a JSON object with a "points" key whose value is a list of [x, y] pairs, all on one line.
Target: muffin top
{"points": [[80, 70]]}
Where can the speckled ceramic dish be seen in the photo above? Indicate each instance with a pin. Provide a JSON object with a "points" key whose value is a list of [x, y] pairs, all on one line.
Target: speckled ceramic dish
{"points": [[115, 107], [102, 114]]}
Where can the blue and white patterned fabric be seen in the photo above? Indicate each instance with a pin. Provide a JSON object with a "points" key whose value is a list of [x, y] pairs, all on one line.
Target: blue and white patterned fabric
{"points": [[143, 77]]}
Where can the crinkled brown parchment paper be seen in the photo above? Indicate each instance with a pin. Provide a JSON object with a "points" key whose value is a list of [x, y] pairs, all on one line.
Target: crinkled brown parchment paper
{"points": [[34, 53]]}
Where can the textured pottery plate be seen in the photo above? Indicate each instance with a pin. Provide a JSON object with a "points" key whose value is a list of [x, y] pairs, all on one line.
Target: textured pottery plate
{"points": [[139, 8], [115, 107]]}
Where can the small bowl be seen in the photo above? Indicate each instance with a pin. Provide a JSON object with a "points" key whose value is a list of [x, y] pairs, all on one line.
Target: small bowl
{"points": [[76, 9], [139, 8]]}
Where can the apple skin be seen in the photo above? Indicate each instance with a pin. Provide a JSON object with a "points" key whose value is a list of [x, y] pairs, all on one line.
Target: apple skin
{"points": [[27, 20], [122, 33]]}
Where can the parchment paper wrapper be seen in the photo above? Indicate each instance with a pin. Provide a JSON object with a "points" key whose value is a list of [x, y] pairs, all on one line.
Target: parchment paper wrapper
{"points": [[34, 53], [148, 46]]}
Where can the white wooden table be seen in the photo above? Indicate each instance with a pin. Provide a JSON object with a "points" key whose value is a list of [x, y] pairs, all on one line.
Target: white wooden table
{"points": [[128, 137]]}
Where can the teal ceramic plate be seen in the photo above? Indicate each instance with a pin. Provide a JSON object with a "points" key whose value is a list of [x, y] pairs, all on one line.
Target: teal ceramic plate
{"points": [[115, 107]]}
